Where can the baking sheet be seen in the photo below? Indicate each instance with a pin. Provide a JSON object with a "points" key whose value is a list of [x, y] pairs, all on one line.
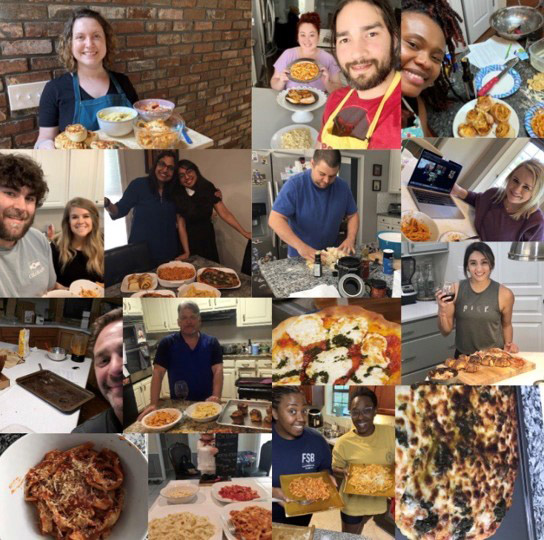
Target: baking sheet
{"points": [[351, 490], [59, 392], [518, 522], [225, 419], [295, 509]]}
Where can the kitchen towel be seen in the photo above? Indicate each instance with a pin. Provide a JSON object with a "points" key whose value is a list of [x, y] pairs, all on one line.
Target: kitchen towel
{"points": [[320, 291]]}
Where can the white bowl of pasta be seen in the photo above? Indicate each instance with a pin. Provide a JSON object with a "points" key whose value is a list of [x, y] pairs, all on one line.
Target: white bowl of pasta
{"points": [[19, 518], [418, 227], [179, 492], [161, 420], [204, 411]]}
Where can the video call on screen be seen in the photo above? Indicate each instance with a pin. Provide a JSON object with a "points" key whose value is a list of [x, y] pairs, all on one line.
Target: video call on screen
{"points": [[435, 172]]}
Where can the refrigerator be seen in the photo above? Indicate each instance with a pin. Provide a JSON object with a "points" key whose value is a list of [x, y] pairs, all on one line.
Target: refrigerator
{"points": [[262, 39]]}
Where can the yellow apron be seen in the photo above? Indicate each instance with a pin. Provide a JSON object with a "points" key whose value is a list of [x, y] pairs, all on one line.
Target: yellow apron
{"points": [[347, 142]]}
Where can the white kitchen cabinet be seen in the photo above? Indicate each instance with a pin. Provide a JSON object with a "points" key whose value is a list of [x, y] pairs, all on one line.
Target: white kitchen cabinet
{"points": [[229, 379], [132, 306], [224, 303], [141, 394], [388, 223], [394, 172], [264, 372], [155, 314], [254, 312], [86, 175], [424, 248]]}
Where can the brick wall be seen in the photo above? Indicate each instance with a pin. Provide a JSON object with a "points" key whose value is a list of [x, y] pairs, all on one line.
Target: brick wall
{"points": [[196, 53]]}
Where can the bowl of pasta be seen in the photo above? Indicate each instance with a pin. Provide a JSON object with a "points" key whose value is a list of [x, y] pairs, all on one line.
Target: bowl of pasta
{"points": [[118, 470], [176, 273], [418, 227], [204, 411], [116, 121], [161, 420], [179, 492]]}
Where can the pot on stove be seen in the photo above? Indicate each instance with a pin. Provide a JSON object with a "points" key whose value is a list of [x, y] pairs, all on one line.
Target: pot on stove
{"points": [[349, 265]]}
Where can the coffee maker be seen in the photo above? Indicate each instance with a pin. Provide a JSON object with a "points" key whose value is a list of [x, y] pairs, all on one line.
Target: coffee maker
{"points": [[409, 293]]}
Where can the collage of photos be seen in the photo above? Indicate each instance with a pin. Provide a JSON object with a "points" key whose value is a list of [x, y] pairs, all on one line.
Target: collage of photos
{"points": [[272, 270]]}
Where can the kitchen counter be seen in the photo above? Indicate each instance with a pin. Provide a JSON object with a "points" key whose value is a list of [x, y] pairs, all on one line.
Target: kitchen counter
{"points": [[18, 406], [291, 275], [419, 310], [17, 324], [198, 262], [247, 356], [267, 117], [190, 426]]}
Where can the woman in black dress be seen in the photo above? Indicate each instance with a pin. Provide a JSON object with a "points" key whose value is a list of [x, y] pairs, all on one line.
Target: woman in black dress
{"points": [[196, 198]]}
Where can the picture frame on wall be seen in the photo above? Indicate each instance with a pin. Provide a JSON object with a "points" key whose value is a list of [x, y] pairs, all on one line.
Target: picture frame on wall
{"points": [[376, 169], [376, 185]]}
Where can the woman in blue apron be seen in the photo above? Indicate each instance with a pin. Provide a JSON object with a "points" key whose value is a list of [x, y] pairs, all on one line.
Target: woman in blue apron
{"points": [[86, 50], [428, 31]]}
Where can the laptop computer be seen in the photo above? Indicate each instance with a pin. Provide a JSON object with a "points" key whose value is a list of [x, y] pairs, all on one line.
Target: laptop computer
{"points": [[431, 184]]}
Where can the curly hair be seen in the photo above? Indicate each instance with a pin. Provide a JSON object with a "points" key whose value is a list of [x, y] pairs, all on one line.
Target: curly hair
{"points": [[101, 323], [18, 171], [93, 248], [278, 392], [448, 20], [311, 17], [65, 41]]}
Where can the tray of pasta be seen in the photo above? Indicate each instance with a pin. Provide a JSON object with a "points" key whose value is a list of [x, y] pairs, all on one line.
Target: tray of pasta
{"points": [[374, 480]]}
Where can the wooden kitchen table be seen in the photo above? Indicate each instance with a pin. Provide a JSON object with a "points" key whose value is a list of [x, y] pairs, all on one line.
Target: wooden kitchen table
{"points": [[21, 408], [198, 262], [190, 426]]}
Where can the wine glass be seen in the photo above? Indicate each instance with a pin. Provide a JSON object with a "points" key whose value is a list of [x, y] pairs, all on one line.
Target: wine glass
{"points": [[449, 291], [181, 391]]}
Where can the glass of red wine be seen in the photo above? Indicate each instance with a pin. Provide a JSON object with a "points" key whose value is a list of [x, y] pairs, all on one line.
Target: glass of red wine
{"points": [[448, 291]]}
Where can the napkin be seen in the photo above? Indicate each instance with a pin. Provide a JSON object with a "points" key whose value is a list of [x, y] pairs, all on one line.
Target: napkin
{"points": [[320, 291]]}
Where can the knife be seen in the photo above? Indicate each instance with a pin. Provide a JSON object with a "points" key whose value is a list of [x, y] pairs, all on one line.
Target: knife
{"points": [[491, 83]]}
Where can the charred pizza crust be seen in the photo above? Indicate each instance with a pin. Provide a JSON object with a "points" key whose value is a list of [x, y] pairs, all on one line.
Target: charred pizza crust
{"points": [[337, 345], [456, 460]]}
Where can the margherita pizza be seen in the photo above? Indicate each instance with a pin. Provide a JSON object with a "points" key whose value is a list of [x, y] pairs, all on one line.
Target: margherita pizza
{"points": [[337, 345], [456, 460]]}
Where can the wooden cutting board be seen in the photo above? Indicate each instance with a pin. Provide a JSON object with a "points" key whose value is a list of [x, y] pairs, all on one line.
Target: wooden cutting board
{"points": [[492, 375]]}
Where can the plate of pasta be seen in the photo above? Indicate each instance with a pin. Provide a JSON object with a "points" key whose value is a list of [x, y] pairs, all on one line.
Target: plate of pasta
{"points": [[251, 520], [176, 273], [174, 522], [373, 480], [418, 227], [116, 465], [204, 411], [161, 420]]}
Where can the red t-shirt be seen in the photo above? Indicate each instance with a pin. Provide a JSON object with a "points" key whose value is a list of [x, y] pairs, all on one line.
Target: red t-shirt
{"points": [[357, 114]]}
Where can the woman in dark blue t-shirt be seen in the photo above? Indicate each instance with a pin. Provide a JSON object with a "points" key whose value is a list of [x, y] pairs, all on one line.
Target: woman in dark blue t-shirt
{"points": [[297, 448]]}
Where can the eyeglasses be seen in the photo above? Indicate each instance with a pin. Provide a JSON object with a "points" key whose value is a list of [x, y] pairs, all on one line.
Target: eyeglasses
{"points": [[164, 165], [362, 412]]}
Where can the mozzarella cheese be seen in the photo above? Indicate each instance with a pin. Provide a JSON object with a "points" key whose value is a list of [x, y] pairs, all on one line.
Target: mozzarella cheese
{"points": [[335, 362], [354, 329], [307, 329], [374, 347], [376, 375]]}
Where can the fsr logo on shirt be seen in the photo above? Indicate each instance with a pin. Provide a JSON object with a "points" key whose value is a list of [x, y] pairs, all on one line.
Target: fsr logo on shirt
{"points": [[308, 460], [36, 268]]}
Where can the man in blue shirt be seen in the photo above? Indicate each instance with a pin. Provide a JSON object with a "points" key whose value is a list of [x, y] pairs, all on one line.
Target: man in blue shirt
{"points": [[310, 207], [189, 356]]}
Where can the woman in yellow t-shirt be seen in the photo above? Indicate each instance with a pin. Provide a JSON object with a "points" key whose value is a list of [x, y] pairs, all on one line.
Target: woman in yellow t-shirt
{"points": [[365, 444]]}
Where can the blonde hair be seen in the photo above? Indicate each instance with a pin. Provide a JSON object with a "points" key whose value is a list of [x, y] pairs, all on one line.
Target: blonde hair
{"points": [[93, 248], [65, 40], [536, 168]]}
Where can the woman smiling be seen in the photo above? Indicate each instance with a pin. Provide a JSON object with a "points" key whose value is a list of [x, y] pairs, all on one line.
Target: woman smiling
{"points": [[86, 50], [429, 29]]}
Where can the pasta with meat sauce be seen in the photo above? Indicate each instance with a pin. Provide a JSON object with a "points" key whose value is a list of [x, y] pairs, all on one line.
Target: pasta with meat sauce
{"points": [[78, 492]]}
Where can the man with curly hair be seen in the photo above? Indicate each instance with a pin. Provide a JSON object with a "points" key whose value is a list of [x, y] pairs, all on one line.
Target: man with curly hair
{"points": [[26, 264]]}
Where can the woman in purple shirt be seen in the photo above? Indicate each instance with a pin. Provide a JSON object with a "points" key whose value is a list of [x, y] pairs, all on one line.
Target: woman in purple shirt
{"points": [[308, 37], [510, 213]]}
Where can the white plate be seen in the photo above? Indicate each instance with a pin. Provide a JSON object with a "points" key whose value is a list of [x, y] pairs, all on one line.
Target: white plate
{"points": [[179, 483], [59, 293], [223, 269], [18, 518], [226, 510], [453, 236], [462, 113], [318, 103], [216, 488], [166, 427], [162, 292], [433, 229], [176, 283], [275, 142], [197, 509], [124, 283], [190, 410], [200, 286], [77, 286]]}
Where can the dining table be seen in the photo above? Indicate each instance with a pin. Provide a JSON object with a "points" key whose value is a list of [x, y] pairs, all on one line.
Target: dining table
{"points": [[22, 411]]}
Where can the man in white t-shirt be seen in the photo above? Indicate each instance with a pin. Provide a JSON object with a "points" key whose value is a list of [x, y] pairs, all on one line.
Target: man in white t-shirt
{"points": [[26, 263]]}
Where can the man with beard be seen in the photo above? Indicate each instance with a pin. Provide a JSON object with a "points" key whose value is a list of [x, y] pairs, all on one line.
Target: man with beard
{"points": [[365, 114], [106, 342], [26, 264]]}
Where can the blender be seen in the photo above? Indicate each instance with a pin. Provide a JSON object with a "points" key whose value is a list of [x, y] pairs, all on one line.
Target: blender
{"points": [[409, 293]]}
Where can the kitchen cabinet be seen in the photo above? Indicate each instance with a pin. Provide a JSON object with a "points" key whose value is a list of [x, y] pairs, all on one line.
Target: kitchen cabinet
{"points": [[132, 306], [388, 223], [394, 172], [155, 314], [86, 175], [229, 386], [424, 248], [423, 347], [254, 312]]}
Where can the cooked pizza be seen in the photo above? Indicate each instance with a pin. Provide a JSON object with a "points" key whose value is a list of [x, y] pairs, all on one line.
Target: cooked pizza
{"points": [[456, 460], [304, 71], [337, 345], [218, 278], [493, 357]]}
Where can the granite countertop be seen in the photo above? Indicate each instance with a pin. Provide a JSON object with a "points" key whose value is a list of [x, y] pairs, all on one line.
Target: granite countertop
{"points": [[291, 275], [190, 426], [199, 262], [322, 534], [441, 122]]}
